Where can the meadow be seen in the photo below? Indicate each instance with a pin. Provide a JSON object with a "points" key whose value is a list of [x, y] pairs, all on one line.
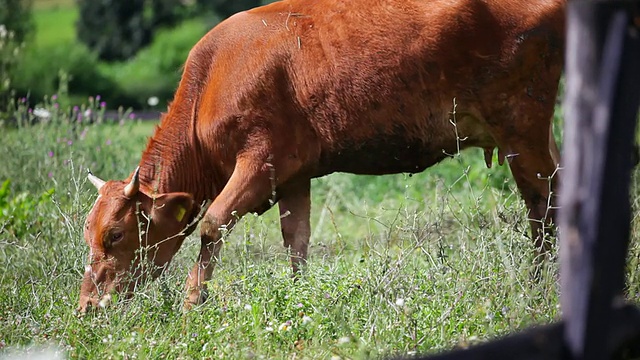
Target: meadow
{"points": [[399, 264]]}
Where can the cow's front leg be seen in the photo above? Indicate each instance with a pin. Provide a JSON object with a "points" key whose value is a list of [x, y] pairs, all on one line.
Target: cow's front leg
{"points": [[295, 209], [210, 245], [248, 187]]}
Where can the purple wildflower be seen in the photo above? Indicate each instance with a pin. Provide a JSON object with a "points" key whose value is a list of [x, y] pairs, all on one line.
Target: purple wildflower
{"points": [[108, 142], [54, 97], [97, 97], [23, 100], [75, 108], [103, 104], [56, 105], [132, 116], [50, 154], [50, 174], [69, 142]]}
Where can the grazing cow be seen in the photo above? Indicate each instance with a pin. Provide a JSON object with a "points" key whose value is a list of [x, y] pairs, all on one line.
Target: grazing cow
{"points": [[278, 95]]}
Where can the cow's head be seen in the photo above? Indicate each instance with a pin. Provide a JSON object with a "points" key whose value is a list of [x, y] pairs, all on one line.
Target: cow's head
{"points": [[130, 235]]}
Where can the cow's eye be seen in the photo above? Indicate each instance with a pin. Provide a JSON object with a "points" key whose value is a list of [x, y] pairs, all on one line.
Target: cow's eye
{"points": [[116, 236]]}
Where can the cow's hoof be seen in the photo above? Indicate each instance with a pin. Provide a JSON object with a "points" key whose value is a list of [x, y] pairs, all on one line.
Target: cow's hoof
{"points": [[195, 298]]}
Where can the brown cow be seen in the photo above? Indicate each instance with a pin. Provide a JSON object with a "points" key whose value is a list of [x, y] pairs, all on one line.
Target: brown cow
{"points": [[280, 94]]}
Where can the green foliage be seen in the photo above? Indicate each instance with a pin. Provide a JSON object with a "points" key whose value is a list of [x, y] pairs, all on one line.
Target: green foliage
{"points": [[55, 26], [17, 212], [156, 70], [114, 29], [16, 17], [69, 63]]}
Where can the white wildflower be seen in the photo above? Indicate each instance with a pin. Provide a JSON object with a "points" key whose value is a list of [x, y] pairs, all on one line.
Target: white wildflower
{"points": [[42, 113], [153, 101]]}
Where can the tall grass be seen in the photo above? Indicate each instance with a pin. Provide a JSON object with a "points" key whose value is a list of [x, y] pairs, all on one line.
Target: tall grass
{"points": [[398, 264]]}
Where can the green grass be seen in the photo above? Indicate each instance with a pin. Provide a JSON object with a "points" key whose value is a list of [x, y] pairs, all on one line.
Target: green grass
{"points": [[398, 264], [55, 25], [48, 4]]}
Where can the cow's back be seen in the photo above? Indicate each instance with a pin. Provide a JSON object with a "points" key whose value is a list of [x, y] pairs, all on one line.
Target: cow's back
{"points": [[369, 86]]}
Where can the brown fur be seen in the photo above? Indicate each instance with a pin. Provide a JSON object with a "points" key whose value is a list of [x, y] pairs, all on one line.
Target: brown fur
{"points": [[298, 89]]}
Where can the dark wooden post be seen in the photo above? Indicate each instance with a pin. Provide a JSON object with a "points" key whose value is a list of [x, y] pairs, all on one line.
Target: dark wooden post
{"points": [[601, 105]]}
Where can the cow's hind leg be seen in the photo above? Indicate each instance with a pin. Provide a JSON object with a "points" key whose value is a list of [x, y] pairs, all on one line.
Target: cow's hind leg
{"points": [[248, 188], [530, 155], [295, 208], [535, 174]]}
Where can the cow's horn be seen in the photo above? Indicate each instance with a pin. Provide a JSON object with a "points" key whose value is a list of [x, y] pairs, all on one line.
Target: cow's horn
{"points": [[132, 188], [96, 181]]}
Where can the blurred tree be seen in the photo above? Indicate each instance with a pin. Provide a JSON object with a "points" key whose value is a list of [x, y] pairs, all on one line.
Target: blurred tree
{"points": [[15, 15], [114, 29], [226, 8], [166, 12]]}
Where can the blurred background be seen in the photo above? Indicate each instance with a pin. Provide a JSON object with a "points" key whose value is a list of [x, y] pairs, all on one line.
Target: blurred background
{"points": [[125, 53]]}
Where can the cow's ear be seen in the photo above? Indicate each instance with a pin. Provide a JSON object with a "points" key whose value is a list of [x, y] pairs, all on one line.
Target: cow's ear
{"points": [[174, 210]]}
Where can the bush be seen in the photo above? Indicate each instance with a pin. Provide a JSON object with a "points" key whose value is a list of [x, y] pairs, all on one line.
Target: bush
{"points": [[42, 68]]}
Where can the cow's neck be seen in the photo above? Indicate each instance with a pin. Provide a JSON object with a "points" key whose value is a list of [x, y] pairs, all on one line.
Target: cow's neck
{"points": [[172, 161]]}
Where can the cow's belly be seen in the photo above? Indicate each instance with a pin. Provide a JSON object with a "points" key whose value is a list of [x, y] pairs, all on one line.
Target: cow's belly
{"points": [[402, 150], [384, 156]]}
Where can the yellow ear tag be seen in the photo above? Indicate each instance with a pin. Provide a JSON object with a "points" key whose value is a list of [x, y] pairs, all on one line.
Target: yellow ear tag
{"points": [[180, 213]]}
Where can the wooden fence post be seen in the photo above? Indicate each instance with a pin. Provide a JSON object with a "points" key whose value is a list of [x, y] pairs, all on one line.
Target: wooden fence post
{"points": [[601, 105]]}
